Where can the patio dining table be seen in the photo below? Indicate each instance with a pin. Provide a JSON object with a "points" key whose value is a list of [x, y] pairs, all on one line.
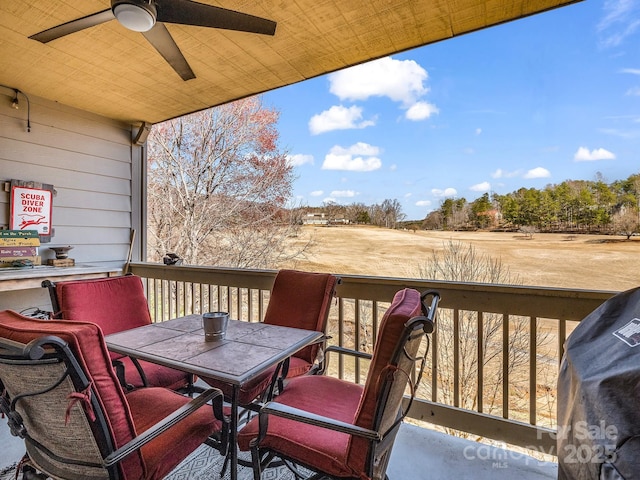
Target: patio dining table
{"points": [[247, 350]]}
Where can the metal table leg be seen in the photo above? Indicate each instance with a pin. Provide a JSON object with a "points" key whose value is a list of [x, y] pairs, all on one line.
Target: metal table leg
{"points": [[233, 435]]}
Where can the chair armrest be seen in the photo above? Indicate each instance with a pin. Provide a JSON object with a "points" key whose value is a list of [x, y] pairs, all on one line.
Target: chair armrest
{"points": [[340, 350], [348, 351], [298, 415], [163, 425]]}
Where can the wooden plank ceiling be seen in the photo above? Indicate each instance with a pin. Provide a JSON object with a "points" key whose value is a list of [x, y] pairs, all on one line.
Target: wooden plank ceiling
{"points": [[114, 72]]}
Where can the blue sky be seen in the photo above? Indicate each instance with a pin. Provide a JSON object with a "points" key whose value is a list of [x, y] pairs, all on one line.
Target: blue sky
{"points": [[533, 102]]}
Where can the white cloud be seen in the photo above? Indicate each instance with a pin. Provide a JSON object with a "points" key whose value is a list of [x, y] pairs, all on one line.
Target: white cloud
{"points": [[622, 133], [299, 159], [338, 118], [423, 203], [316, 193], [359, 148], [329, 200], [343, 193], [584, 155], [538, 172], [481, 187], [400, 80], [393, 167], [360, 157], [478, 131], [421, 111], [347, 162], [447, 192], [619, 22], [633, 91], [633, 71], [499, 173]]}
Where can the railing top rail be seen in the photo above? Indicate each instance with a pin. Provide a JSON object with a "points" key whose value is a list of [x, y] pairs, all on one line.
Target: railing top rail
{"points": [[542, 302]]}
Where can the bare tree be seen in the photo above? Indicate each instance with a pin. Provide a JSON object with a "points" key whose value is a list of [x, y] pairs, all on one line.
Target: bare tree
{"points": [[387, 214], [627, 223], [218, 187], [332, 211], [528, 231], [462, 263]]}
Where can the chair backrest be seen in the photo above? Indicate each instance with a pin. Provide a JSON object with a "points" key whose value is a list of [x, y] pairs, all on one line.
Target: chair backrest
{"points": [[301, 300], [402, 329], [114, 303], [57, 395]]}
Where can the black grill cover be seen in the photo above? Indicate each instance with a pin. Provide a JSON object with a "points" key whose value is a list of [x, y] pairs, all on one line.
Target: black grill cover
{"points": [[599, 394]]}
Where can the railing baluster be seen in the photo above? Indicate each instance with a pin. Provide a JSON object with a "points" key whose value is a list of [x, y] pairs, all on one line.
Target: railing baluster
{"points": [[434, 363], [505, 365], [340, 336], [356, 337], [562, 336], [456, 358], [480, 359], [374, 322], [533, 380]]}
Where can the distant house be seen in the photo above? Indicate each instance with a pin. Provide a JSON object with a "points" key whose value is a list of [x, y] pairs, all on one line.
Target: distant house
{"points": [[494, 217], [315, 219], [322, 219]]}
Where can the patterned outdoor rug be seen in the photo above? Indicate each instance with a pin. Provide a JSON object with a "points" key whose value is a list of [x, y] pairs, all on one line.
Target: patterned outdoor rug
{"points": [[203, 464], [206, 463]]}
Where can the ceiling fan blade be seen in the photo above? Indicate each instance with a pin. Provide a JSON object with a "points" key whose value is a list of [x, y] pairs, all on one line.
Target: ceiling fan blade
{"points": [[73, 26], [160, 38], [187, 12]]}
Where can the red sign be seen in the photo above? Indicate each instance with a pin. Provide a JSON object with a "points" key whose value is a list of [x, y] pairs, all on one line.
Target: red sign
{"points": [[31, 209]]}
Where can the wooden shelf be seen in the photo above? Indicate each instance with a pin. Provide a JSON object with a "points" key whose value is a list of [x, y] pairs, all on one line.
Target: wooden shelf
{"points": [[25, 278]]}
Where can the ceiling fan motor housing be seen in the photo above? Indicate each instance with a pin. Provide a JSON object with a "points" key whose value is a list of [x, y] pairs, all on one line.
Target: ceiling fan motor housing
{"points": [[136, 15]]}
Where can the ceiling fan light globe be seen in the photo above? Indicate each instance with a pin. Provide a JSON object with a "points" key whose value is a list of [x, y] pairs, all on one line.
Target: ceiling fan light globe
{"points": [[139, 18]]}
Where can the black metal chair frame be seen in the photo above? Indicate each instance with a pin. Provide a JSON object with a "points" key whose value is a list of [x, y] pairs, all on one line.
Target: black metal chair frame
{"points": [[52, 349], [417, 326]]}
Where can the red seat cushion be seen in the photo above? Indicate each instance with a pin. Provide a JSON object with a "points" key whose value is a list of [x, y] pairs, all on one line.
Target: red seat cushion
{"points": [[301, 300], [161, 455], [318, 447], [405, 305], [116, 304]]}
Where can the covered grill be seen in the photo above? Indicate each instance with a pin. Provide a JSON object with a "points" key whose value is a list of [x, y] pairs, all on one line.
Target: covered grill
{"points": [[599, 394]]}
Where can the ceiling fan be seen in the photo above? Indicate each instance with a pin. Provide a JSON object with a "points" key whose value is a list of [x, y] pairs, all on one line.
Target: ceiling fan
{"points": [[149, 16]]}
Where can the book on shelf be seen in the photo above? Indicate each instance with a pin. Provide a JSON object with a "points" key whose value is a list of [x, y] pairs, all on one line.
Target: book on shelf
{"points": [[19, 238], [19, 234], [18, 251], [19, 242], [20, 261]]}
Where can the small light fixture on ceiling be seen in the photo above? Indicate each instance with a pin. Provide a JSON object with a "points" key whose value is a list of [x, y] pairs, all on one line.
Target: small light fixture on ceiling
{"points": [[136, 15], [15, 103]]}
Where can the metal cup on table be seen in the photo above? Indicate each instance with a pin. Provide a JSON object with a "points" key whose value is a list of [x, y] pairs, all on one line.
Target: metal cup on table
{"points": [[215, 325]]}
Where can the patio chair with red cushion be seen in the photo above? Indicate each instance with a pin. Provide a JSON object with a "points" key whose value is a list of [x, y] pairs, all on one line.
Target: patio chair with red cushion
{"points": [[300, 300], [115, 304], [61, 395], [339, 429]]}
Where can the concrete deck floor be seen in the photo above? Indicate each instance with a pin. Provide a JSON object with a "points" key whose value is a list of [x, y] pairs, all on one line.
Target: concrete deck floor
{"points": [[418, 453]]}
